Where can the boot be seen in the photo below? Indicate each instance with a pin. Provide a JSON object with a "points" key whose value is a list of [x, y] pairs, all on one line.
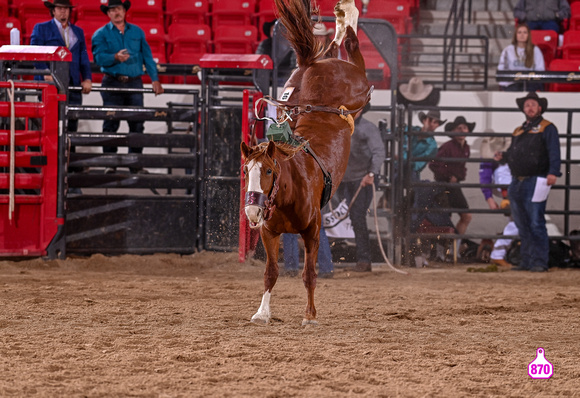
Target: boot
{"points": [[362, 266]]}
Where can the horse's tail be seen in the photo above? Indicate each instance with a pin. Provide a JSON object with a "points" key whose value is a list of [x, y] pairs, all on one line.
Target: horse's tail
{"points": [[295, 16]]}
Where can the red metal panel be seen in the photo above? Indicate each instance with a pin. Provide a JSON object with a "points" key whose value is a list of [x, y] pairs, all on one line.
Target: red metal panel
{"points": [[34, 222], [35, 53], [236, 61]]}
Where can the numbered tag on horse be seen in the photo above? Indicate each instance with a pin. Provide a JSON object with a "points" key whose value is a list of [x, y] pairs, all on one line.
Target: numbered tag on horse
{"points": [[285, 96]]}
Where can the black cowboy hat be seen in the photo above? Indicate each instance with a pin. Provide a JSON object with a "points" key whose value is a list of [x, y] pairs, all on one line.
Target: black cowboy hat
{"points": [[267, 26], [459, 120], [543, 102], [58, 3], [116, 3], [433, 114]]}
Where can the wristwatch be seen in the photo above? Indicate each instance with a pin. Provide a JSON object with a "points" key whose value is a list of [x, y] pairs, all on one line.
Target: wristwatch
{"points": [[371, 174]]}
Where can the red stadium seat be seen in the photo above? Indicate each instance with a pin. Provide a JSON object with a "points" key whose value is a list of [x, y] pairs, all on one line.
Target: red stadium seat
{"points": [[155, 36], [25, 9], [4, 9], [232, 12], [187, 11], [235, 39], [145, 11], [89, 27], [29, 27], [571, 45], [90, 11], [6, 25], [547, 41], [563, 65], [575, 18], [189, 39], [397, 12], [266, 13]]}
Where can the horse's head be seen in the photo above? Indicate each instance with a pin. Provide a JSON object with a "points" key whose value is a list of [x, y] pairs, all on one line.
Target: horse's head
{"points": [[261, 175]]}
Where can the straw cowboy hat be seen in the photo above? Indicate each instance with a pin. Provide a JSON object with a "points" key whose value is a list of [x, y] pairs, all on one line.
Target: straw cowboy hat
{"points": [[543, 102], [433, 114], [116, 3], [491, 145], [415, 90], [58, 3], [459, 120], [320, 30]]}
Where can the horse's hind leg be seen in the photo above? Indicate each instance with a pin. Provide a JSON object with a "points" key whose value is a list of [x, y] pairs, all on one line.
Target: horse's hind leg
{"points": [[311, 243], [346, 15], [272, 244]]}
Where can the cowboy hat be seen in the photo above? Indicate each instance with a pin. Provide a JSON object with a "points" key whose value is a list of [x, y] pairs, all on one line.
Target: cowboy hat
{"points": [[459, 120], [543, 102], [267, 26], [491, 145], [433, 114], [116, 3], [58, 3], [415, 90], [320, 30]]}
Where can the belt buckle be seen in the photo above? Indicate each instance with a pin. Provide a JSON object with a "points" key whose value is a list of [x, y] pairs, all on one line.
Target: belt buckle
{"points": [[123, 79]]}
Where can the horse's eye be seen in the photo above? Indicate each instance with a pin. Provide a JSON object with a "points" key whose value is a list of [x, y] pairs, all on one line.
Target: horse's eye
{"points": [[269, 172], [245, 169]]}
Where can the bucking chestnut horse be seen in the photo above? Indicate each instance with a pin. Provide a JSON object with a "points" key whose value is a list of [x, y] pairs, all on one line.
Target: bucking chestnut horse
{"points": [[287, 186]]}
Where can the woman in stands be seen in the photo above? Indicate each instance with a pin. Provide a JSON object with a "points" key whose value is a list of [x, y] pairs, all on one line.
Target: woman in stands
{"points": [[521, 55]]}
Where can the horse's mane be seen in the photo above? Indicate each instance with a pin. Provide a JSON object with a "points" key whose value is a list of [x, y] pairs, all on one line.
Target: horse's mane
{"points": [[287, 150], [295, 16]]}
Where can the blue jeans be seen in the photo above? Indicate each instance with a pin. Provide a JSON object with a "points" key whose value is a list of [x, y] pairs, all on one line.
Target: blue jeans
{"points": [[531, 222], [544, 25], [292, 256], [358, 217], [122, 99]]}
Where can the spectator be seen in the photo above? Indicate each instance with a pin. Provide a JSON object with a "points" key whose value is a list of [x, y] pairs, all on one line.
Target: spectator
{"points": [[418, 93], [495, 173], [542, 15], [285, 59], [454, 172], [521, 55], [424, 144], [534, 161], [120, 49], [367, 154], [60, 32], [323, 34], [291, 255]]}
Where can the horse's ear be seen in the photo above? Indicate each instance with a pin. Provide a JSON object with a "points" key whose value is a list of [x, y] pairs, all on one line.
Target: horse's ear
{"points": [[271, 149], [246, 150]]}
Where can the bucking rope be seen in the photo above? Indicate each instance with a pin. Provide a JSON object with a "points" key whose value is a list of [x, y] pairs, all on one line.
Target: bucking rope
{"points": [[12, 150]]}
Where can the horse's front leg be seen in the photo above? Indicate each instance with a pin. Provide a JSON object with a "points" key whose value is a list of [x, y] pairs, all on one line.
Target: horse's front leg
{"points": [[272, 244], [311, 243]]}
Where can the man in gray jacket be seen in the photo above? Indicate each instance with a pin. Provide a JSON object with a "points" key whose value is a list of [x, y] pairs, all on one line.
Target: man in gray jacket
{"points": [[367, 154], [542, 15]]}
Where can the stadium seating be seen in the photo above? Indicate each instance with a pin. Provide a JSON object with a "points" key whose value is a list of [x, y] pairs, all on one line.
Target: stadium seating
{"points": [[397, 12], [571, 45], [186, 11], [266, 13], [155, 36], [235, 39], [89, 27], [4, 8], [563, 65], [232, 12], [28, 27], [146, 11], [188, 39], [25, 9], [575, 18], [547, 42], [89, 11]]}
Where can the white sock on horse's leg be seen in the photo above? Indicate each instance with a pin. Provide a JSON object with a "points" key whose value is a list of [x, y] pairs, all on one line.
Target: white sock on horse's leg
{"points": [[263, 314], [349, 18]]}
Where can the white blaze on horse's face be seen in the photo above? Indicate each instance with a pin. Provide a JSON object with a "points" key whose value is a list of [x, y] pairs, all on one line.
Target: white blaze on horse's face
{"points": [[254, 213]]}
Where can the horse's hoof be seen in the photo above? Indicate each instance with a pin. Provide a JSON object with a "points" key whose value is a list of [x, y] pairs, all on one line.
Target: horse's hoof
{"points": [[306, 322], [259, 320]]}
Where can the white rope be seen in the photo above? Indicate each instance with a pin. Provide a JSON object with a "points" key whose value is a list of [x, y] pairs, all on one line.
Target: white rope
{"points": [[12, 150], [268, 101]]}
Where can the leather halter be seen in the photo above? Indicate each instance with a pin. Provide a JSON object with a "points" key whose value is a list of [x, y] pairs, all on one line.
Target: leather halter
{"points": [[260, 199]]}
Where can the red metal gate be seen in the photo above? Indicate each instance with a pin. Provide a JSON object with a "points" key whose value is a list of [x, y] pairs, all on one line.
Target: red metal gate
{"points": [[28, 227]]}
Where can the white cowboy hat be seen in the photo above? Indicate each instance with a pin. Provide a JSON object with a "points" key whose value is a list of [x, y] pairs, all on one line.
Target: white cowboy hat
{"points": [[415, 90], [320, 30], [491, 145]]}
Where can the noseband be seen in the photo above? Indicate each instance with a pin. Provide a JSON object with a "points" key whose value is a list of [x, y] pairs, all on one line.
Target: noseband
{"points": [[266, 202]]}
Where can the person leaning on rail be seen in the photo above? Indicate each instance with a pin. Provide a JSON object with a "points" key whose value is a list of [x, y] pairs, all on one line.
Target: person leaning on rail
{"points": [[120, 49]]}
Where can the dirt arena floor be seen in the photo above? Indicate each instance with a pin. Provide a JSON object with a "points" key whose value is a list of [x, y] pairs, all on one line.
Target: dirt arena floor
{"points": [[178, 326]]}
